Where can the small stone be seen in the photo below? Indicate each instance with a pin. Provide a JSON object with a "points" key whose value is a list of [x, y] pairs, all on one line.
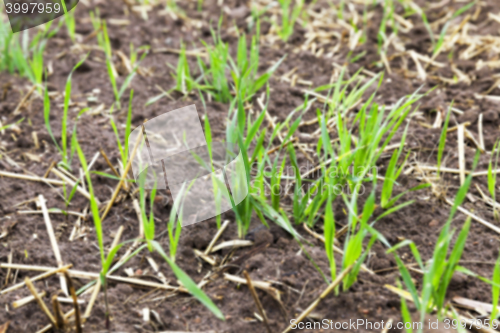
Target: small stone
{"points": [[282, 242], [112, 298], [380, 263], [490, 116], [469, 116], [291, 280], [293, 263], [201, 241], [263, 237], [433, 223], [240, 12], [255, 262], [458, 281], [124, 289]]}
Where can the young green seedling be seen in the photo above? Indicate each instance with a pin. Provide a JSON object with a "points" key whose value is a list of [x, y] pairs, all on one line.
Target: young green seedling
{"points": [[329, 233], [19, 54], [123, 147], [185, 82], [405, 313], [69, 18], [243, 71], [495, 291], [63, 148], [106, 261], [276, 174], [442, 139], [492, 178], [147, 222], [105, 44], [439, 44], [288, 17], [175, 222], [392, 174], [439, 271], [3, 128], [300, 200], [215, 74]]}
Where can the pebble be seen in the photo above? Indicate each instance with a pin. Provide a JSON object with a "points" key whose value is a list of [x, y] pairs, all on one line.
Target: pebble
{"points": [[490, 116], [263, 237]]}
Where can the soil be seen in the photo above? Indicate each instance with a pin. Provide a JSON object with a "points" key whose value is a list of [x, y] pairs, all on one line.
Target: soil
{"points": [[275, 255]]}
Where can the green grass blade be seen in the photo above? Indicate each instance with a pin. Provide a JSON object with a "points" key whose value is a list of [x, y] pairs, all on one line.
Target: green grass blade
{"points": [[46, 116], [405, 313], [189, 284], [254, 128], [394, 209], [93, 202], [442, 139], [109, 260], [462, 192], [453, 261], [408, 281], [128, 126], [495, 290], [329, 232], [492, 176]]}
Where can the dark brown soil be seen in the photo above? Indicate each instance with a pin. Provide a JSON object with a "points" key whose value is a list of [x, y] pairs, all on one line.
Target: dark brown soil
{"points": [[275, 256]]}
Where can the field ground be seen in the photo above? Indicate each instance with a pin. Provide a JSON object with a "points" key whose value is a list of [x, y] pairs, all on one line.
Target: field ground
{"points": [[332, 44]]}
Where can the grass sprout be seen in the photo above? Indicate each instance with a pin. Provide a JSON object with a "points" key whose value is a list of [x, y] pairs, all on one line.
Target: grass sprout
{"points": [[392, 174], [442, 140], [20, 55], [345, 169], [215, 74], [106, 261], [147, 222], [353, 245], [439, 271], [245, 79], [300, 199], [63, 147], [405, 313], [492, 177], [276, 174], [495, 291], [105, 44], [329, 234], [175, 224], [244, 72], [257, 200], [5, 127], [440, 42], [185, 82], [244, 210], [189, 284], [288, 17], [387, 18], [69, 18], [123, 147], [350, 166]]}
